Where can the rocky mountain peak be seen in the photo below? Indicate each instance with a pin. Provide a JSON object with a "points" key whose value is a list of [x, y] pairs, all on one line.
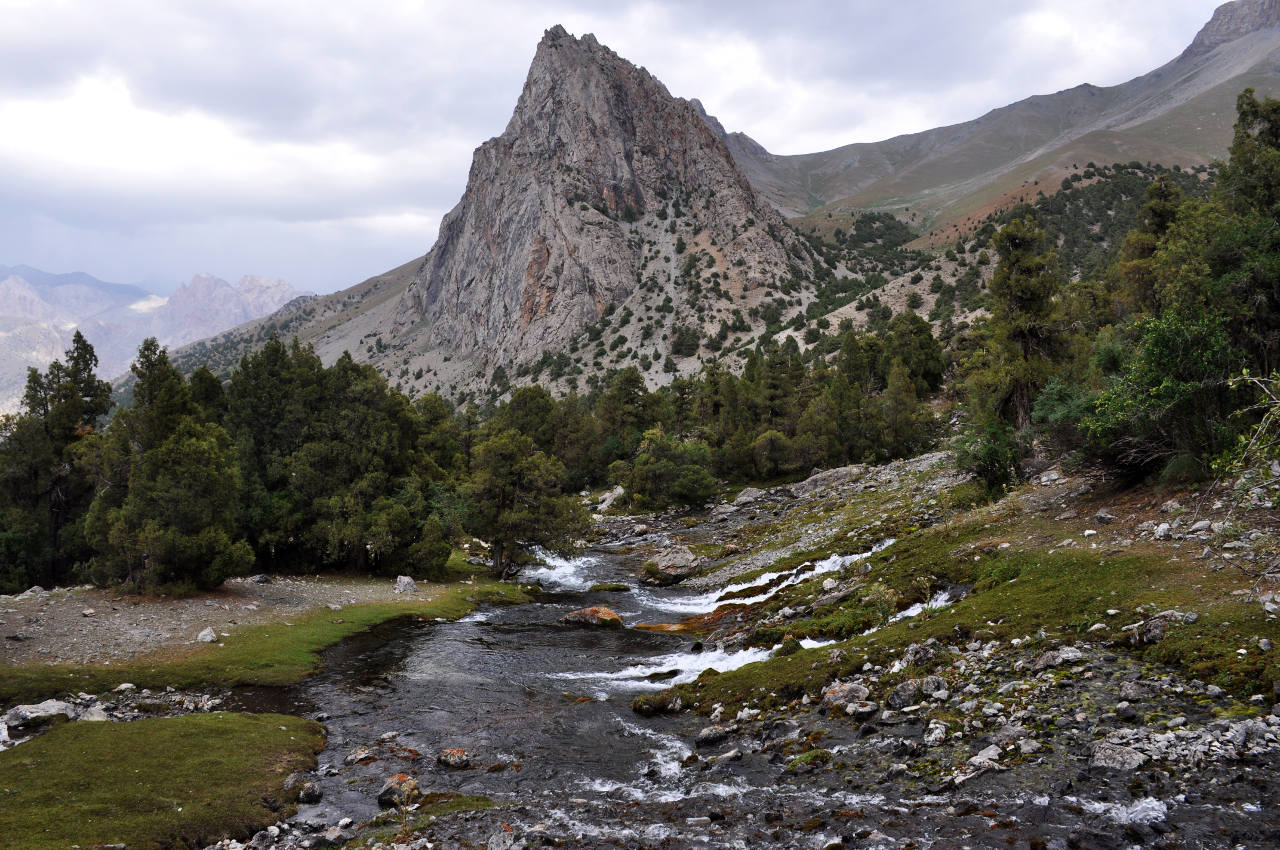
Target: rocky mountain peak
{"points": [[602, 186], [1234, 20]]}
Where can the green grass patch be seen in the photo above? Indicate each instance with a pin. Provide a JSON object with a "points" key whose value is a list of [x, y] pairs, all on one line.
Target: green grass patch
{"points": [[153, 783], [272, 654], [1016, 593]]}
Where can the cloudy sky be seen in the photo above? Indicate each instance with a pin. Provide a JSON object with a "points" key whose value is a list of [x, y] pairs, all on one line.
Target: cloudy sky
{"points": [[322, 140]]}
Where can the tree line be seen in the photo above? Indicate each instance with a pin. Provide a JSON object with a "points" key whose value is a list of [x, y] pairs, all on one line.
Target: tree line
{"points": [[297, 467]]}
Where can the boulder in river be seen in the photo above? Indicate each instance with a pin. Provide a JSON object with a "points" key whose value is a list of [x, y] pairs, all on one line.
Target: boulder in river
{"points": [[671, 566], [596, 616]]}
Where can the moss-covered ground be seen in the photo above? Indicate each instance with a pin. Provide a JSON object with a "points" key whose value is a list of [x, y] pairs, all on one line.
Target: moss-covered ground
{"points": [[153, 783], [1021, 583]]}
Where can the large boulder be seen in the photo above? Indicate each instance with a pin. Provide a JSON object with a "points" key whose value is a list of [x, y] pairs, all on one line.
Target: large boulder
{"points": [[843, 693], [41, 712], [405, 584], [828, 479], [596, 616], [671, 566]]}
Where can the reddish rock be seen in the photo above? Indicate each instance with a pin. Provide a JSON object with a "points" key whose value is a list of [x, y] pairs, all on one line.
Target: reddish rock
{"points": [[597, 616]]}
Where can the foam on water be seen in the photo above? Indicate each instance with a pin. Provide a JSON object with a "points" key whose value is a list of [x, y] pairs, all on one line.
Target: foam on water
{"points": [[767, 585], [939, 600], [557, 573]]}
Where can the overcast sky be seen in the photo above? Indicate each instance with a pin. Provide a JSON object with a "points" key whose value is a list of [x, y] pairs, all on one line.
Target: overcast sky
{"points": [[322, 140]]}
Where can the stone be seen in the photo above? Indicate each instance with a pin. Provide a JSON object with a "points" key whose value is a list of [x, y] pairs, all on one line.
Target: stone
{"points": [[905, 694], [830, 479], [26, 715], [1104, 517], [95, 714], [309, 793], [1133, 691], [1163, 531], [749, 495], [405, 584], [360, 755], [843, 693], [260, 578], [1056, 657], [1008, 734], [399, 790], [207, 636], [454, 757], [917, 654], [936, 733], [1116, 757], [1201, 526], [671, 566], [933, 685], [714, 734], [597, 616], [862, 711], [1126, 711]]}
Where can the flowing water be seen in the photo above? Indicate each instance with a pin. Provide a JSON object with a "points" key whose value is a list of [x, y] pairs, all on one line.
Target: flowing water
{"points": [[541, 708], [543, 711]]}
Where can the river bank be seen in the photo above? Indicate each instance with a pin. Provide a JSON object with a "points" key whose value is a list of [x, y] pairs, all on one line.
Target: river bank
{"points": [[865, 659]]}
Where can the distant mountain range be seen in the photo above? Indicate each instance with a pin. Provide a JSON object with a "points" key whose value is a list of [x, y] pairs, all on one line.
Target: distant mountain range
{"points": [[612, 224], [40, 311]]}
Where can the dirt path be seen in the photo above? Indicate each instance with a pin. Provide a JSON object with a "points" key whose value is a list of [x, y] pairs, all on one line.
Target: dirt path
{"points": [[84, 625]]}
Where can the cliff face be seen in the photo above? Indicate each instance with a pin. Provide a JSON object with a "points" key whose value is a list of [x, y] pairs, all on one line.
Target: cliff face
{"points": [[576, 205], [1232, 21]]}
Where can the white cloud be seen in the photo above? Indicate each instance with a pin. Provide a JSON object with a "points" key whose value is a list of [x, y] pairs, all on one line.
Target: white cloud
{"points": [[321, 141]]}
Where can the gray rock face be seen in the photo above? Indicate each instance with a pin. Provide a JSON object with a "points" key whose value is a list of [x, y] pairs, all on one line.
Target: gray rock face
{"points": [[597, 158]]}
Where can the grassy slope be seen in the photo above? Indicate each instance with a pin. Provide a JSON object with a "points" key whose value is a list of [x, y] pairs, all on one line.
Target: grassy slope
{"points": [[1031, 588], [154, 783]]}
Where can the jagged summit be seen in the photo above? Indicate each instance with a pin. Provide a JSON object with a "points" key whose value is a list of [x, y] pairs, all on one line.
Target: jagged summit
{"points": [[1232, 21], [601, 184]]}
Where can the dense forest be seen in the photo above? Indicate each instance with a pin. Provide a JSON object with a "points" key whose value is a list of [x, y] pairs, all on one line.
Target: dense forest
{"points": [[1130, 321]]}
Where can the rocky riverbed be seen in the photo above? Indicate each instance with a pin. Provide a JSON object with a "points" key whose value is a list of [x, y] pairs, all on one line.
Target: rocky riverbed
{"points": [[950, 713]]}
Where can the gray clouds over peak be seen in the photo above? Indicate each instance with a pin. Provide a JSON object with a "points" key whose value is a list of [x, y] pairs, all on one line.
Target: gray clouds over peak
{"points": [[322, 141]]}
